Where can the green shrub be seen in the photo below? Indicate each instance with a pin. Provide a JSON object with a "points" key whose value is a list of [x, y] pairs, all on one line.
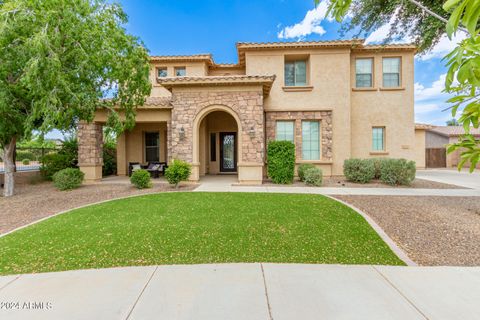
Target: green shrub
{"points": [[397, 171], [109, 159], [141, 179], [377, 164], [313, 176], [52, 163], [68, 179], [70, 149], [25, 162], [25, 155], [178, 171], [281, 161], [359, 170], [302, 168]]}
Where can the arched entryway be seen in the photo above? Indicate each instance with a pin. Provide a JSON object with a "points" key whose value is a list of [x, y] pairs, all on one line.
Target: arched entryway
{"points": [[217, 141]]}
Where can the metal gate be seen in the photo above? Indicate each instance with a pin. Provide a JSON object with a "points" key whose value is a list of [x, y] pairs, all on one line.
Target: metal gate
{"points": [[436, 157]]}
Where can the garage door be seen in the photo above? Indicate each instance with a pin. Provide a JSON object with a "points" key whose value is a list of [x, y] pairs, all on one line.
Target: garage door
{"points": [[436, 157]]}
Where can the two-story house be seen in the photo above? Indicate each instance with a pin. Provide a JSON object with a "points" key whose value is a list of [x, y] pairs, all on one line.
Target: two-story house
{"points": [[333, 99]]}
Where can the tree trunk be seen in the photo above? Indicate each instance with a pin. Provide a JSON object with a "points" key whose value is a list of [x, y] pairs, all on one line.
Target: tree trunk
{"points": [[8, 156]]}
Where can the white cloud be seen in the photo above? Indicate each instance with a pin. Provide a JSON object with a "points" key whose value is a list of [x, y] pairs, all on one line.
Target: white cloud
{"points": [[423, 93], [309, 25], [421, 108], [443, 47]]}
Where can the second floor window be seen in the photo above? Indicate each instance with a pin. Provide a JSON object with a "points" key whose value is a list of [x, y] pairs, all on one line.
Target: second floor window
{"points": [[162, 72], [363, 73], [391, 72], [296, 73], [180, 72], [285, 131]]}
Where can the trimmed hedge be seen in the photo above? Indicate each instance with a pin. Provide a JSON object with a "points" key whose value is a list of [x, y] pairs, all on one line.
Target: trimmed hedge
{"points": [[141, 179], [359, 170], [397, 171], [313, 176], [178, 171], [377, 164], [25, 155], [68, 179], [302, 168], [281, 161], [25, 162]]}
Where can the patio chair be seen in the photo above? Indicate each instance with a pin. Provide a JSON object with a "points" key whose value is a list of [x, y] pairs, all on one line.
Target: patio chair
{"points": [[155, 168], [132, 166]]}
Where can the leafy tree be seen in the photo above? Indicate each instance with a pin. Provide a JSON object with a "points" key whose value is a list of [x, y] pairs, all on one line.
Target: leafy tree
{"points": [[408, 19], [59, 61], [452, 122], [463, 76]]}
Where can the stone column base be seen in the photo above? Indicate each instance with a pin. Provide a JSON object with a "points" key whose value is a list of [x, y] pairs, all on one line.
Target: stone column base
{"points": [[250, 173], [195, 175], [93, 173]]}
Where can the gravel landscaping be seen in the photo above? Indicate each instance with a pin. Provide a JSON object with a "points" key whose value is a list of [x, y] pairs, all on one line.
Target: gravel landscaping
{"points": [[341, 182], [34, 202], [431, 230]]}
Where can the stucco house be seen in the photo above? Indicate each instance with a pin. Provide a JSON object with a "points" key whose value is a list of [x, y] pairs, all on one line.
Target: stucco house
{"points": [[333, 99]]}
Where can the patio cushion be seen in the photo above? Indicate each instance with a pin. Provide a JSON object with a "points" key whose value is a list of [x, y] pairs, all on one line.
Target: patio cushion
{"points": [[136, 167], [155, 167]]}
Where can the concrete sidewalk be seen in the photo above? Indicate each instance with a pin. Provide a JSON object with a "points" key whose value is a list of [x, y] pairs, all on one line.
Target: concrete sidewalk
{"points": [[245, 291], [228, 184]]}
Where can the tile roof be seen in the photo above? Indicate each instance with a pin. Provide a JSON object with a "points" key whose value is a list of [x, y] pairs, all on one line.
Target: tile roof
{"points": [[158, 102], [453, 131], [207, 57], [423, 126]]}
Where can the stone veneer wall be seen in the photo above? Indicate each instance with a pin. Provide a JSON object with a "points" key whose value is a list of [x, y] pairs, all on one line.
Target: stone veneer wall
{"points": [[325, 118], [248, 106], [90, 144]]}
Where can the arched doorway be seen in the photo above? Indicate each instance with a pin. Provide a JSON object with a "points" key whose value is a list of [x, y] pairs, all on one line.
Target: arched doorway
{"points": [[217, 141]]}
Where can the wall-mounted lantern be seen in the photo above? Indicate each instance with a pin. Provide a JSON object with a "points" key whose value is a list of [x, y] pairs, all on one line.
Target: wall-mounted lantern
{"points": [[181, 133], [251, 132]]}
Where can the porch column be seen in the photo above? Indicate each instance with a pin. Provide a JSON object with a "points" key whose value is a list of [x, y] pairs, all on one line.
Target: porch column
{"points": [[122, 155], [168, 157], [90, 150]]}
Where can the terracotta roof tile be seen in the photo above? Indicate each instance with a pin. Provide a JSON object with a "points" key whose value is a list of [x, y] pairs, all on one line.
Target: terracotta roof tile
{"points": [[158, 101], [453, 131]]}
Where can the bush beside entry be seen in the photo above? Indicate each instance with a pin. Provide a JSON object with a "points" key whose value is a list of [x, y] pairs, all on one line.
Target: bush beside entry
{"points": [[301, 170], [281, 161], [313, 176], [178, 171], [68, 179], [141, 179]]}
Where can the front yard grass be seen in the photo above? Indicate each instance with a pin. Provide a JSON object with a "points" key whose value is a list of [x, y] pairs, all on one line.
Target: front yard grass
{"points": [[190, 228]]}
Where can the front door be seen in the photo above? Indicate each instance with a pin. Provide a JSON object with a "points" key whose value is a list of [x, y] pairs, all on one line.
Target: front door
{"points": [[228, 152]]}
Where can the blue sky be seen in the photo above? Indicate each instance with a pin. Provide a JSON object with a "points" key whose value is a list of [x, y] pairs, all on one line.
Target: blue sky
{"points": [[214, 26]]}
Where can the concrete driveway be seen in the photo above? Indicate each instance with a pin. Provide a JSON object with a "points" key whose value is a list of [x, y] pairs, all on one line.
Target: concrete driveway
{"points": [[245, 291], [462, 178]]}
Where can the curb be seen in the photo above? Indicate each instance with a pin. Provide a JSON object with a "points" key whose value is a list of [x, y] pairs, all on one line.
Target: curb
{"points": [[393, 246]]}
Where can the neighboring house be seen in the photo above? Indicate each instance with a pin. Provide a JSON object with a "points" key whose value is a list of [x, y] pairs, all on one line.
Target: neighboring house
{"points": [[334, 99], [436, 140]]}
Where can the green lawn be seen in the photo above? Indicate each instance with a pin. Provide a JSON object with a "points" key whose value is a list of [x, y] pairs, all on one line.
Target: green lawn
{"points": [[187, 228]]}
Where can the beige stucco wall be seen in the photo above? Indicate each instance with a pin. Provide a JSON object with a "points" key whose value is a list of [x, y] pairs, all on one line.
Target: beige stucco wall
{"points": [[328, 88], [392, 109], [420, 148]]}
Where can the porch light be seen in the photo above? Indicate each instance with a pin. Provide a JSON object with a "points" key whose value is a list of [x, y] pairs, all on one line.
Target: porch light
{"points": [[181, 133], [251, 132]]}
